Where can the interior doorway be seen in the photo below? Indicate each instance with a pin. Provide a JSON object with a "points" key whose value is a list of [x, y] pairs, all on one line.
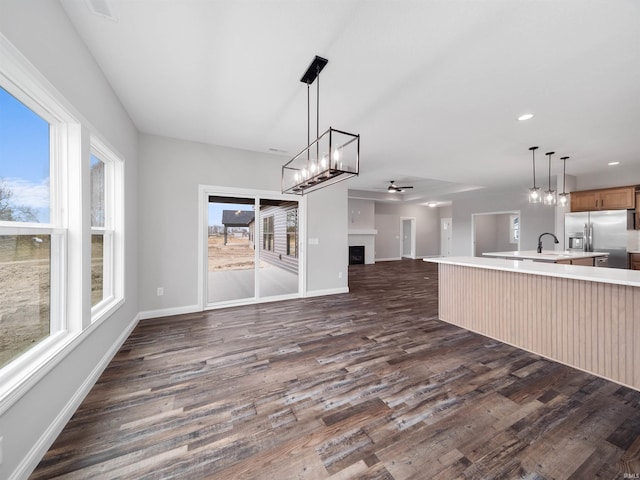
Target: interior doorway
{"points": [[407, 237], [495, 232]]}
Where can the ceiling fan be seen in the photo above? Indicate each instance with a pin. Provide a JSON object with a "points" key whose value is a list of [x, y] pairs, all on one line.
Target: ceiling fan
{"points": [[393, 188]]}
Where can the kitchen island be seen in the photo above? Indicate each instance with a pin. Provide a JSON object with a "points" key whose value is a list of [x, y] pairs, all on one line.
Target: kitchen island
{"points": [[588, 318], [551, 256]]}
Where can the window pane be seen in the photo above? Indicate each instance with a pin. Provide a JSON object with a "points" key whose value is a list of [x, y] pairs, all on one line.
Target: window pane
{"points": [[292, 232], [25, 266], [24, 163], [97, 192], [97, 268]]}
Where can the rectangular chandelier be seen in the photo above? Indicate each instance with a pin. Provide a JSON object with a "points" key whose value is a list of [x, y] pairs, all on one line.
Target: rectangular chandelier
{"points": [[332, 157]]}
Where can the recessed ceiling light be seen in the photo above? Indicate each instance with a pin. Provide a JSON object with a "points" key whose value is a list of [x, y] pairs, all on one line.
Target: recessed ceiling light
{"points": [[613, 163], [432, 204], [526, 116]]}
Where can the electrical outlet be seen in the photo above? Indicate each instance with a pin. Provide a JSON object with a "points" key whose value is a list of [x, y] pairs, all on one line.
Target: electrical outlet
{"points": [[339, 274], [160, 291]]}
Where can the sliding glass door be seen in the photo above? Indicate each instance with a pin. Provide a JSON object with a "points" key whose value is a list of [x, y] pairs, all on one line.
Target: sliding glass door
{"points": [[230, 249], [278, 266], [252, 249]]}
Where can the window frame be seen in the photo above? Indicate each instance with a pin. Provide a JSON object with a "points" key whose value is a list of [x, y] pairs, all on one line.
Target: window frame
{"points": [[268, 237], [70, 138], [112, 231], [17, 80], [294, 233]]}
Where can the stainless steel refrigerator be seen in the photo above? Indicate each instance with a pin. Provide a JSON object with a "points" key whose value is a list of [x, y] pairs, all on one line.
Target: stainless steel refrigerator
{"points": [[602, 231]]}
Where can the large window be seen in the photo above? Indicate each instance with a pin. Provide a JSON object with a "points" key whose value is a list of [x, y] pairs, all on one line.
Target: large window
{"points": [[105, 172], [29, 241], [58, 207]]}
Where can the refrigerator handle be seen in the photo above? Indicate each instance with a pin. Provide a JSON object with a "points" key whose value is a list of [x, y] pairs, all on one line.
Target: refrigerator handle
{"points": [[590, 230], [585, 236]]}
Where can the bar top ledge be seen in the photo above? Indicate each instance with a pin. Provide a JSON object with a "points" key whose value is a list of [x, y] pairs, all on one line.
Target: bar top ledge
{"points": [[615, 276]]}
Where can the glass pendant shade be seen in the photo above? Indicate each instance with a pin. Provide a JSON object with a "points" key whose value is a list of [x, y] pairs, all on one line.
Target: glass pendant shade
{"points": [[563, 198], [549, 195], [535, 195]]}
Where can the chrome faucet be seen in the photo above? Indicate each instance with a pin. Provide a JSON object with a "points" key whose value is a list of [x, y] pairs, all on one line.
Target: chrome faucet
{"points": [[555, 240]]}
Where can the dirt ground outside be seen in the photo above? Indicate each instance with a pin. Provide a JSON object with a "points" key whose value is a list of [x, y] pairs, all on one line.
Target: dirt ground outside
{"points": [[25, 292], [24, 285], [237, 254]]}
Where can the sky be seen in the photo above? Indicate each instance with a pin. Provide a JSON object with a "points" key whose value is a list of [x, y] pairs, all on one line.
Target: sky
{"points": [[24, 155]]}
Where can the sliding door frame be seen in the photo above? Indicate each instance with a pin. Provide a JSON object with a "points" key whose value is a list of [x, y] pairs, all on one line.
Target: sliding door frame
{"points": [[204, 192]]}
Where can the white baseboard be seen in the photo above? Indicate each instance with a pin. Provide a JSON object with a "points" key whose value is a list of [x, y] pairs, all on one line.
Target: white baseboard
{"points": [[168, 312], [329, 291], [31, 460], [388, 259]]}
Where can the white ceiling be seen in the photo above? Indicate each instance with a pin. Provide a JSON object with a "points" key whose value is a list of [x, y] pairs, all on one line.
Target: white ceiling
{"points": [[433, 87]]}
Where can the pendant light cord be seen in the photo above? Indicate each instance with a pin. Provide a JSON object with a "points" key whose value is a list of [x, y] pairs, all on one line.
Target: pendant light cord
{"points": [[318, 116], [308, 119], [564, 174], [533, 153]]}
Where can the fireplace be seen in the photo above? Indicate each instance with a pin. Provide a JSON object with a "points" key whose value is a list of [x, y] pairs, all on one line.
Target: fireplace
{"points": [[356, 255]]}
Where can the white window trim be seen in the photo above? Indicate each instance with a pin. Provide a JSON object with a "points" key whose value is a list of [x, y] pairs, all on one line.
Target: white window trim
{"points": [[22, 81], [113, 231], [69, 187]]}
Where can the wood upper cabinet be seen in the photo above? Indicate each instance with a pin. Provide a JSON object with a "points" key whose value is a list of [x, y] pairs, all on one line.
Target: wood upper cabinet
{"points": [[620, 198], [637, 210]]}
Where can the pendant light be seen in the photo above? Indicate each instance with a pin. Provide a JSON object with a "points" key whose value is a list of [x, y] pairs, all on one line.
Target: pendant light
{"points": [[330, 158], [563, 198], [534, 192], [550, 195]]}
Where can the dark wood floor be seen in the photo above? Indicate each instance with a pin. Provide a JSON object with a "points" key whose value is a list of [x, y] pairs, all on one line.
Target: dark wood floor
{"points": [[368, 384]]}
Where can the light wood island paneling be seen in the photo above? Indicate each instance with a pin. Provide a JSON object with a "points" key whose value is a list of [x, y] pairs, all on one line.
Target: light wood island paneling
{"points": [[590, 325]]}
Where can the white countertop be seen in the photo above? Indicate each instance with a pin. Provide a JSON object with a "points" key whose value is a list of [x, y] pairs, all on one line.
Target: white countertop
{"points": [[616, 276], [546, 255]]}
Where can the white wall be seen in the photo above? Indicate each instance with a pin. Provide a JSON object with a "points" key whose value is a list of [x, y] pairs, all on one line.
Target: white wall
{"points": [[328, 259], [492, 233], [614, 176], [42, 33], [361, 214], [387, 217], [534, 219], [170, 172]]}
